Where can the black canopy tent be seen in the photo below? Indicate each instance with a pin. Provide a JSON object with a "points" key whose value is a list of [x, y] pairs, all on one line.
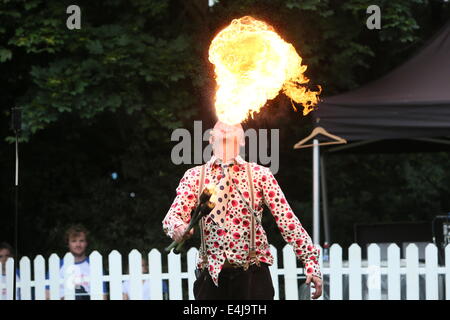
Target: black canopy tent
{"points": [[411, 102], [406, 110]]}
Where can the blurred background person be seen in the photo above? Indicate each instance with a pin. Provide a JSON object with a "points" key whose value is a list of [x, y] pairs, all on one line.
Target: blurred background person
{"points": [[145, 285], [76, 238], [6, 252]]}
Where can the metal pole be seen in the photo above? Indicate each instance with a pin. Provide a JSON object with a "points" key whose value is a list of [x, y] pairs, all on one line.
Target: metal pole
{"points": [[323, 182], [316, 195], [16, 126], [16, 219]]}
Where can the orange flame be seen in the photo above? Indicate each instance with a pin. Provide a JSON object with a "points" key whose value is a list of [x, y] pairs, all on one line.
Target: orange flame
{"points": [[252, 65]]}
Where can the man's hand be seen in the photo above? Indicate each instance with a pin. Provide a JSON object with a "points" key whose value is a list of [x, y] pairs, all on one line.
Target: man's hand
{"points": [[179, 232], [317, 285]]}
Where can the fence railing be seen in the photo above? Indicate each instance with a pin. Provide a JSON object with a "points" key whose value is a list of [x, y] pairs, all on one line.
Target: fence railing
{"points": [[355, 279]]}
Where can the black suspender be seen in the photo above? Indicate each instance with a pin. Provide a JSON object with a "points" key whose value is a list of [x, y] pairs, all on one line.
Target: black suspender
{"points": [[200, 190]]}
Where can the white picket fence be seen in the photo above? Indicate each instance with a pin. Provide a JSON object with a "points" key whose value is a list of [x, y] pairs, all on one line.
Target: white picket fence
{"points": [[353, 279]]}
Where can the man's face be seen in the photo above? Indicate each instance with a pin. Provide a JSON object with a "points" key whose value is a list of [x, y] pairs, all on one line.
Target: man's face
{"points": [[4, 255], [226, 140], [78, 244]]}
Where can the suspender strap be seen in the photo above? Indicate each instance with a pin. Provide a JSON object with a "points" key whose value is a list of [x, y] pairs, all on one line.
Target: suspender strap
{"points": [[252, 249], [200, 190]]}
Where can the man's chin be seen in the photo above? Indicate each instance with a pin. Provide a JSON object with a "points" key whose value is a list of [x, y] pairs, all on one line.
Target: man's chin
{"points": [[78, 254]]}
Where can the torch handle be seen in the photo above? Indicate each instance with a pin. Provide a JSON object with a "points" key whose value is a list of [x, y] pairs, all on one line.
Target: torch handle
{"points": [[172, 245], [177, 250], [189, 227]]}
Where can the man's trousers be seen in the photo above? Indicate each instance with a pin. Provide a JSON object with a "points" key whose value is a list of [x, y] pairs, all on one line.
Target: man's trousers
{"points": [[236, 284]]}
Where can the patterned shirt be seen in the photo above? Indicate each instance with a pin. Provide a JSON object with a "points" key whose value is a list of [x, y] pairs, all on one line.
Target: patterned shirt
{"points": [[232, 240]]}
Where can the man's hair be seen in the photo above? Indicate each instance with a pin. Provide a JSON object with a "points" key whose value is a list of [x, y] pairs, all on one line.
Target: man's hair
{"points": [[74, 231], [7, 246]]}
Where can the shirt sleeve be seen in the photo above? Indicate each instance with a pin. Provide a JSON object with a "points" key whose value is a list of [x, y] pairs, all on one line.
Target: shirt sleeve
{"points": [[185, 200], [289, 225]]}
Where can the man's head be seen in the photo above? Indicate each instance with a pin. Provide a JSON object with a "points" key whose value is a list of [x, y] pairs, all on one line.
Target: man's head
{"points": [[77, 240], [226, 140], [6, 252]]}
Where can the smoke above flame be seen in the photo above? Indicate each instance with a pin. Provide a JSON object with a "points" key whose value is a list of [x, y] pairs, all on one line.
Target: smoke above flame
{"points": [[253, 64]]}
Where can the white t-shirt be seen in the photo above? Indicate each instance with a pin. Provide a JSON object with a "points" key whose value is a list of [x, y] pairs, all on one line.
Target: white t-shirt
{"points": [[3, 290], [145, 289], [3, 295], [78, 277]]}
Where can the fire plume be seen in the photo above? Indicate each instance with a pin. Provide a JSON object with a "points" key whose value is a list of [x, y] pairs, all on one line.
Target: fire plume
{"points": [[252, 65]]}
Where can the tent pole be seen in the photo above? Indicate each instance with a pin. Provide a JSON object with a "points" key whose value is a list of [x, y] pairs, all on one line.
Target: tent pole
{"points": [[323, 182], [316, 228]]}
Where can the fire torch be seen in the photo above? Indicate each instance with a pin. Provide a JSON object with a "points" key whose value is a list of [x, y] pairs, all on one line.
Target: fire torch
{"points": [[207, 202]]}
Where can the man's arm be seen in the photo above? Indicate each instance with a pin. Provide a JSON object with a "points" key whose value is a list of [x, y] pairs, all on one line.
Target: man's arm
{"points": [[289, 225], [179, 213]]}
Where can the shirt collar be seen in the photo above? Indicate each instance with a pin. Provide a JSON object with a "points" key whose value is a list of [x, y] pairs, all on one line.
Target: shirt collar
{"points": [[214, 160]]}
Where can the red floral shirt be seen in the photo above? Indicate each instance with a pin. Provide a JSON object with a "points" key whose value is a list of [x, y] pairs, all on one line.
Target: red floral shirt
{"points": [[232, 240]]}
